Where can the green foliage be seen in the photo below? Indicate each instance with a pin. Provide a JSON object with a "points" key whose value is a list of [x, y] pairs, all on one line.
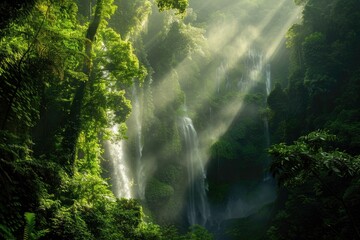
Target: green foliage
{"points": [[30, 233], [301, 219], [314, 47], [47, 71], [171, 232], [319, 178], [149, 231], [179, 5], [197, 232], [89, 152], [67, 223], [277, 101], [118, 58], [130, 17], [171, 174], [12, 10], [295, 163], [347, 127], [240, 152], [87, 189], [5, 233], [176, 43], [30, 226], [315, 170], [320, 67], [127, 217], [223, 149], [21, 180], [157, 193]]}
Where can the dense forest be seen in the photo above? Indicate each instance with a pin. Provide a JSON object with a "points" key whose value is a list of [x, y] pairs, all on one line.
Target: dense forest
{"points": [[180, 119]]}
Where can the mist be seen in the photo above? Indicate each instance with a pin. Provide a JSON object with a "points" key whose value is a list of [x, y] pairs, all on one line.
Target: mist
{"points": [[180, 119], [211, 67]]}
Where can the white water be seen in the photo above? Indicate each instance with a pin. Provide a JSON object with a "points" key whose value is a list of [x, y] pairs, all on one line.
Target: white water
{"points": [[139, 172], [255, 65], [268, 90], [266, 120], [244, 202], [120, 175], [268, 79], [197, 206]]}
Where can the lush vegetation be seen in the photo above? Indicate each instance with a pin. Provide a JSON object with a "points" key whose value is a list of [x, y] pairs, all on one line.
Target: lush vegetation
{"points": [[323, 184], [318, 172], [63, 69], [68, 73]]}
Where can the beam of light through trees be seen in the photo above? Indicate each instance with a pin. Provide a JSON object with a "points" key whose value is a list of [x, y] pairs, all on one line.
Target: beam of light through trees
{"points": [[228, 41], [233, 43]]}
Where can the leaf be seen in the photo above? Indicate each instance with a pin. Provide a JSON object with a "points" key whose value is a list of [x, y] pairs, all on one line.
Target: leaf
{"points": [[336, 170], [30, 225], [81, 76]]}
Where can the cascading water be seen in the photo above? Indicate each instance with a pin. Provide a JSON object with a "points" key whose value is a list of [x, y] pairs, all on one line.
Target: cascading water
{"points": [[244, 201], [120, 175], [197, 207], [257, 70], [268, 79], [266, 120], [139, 172], [255, 65]]}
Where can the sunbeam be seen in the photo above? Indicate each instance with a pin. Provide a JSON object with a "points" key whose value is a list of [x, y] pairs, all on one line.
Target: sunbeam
{"points": [[271, 50], [231, 59], [230, 111], [230, 42]]}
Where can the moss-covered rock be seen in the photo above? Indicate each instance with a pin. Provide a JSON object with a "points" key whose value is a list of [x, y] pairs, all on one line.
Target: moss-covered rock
{"points": [[157, 193], [171, 174]]}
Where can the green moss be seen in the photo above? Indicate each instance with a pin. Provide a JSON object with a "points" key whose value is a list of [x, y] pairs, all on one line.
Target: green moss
{"points": [[171, 174], [158, 193]]}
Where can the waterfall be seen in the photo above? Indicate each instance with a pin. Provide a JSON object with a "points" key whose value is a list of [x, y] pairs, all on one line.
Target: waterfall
{"points": [[266, 120], [244, 201], [139, 172], [255, 65], [120, 174], [197, 207], [268, 80]]}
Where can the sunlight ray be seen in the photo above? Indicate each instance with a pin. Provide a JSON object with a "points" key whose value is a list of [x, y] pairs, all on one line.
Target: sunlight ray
{"points": [[227, 40], [280, 37], [228, 114], [231, 42]]}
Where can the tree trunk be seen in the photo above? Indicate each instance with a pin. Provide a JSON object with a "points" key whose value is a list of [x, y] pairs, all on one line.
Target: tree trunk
{"points": [[73, 125]]}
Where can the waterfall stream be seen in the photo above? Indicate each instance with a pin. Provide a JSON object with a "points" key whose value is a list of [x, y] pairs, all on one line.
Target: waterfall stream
{"points": [[120, 174], [266, 120], [268, 80], [139, 171], [244, 201], [197, 207]]}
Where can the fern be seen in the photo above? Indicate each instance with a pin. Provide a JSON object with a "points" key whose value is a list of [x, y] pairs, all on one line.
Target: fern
{"points": [[30, 233], [30, 225]]}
